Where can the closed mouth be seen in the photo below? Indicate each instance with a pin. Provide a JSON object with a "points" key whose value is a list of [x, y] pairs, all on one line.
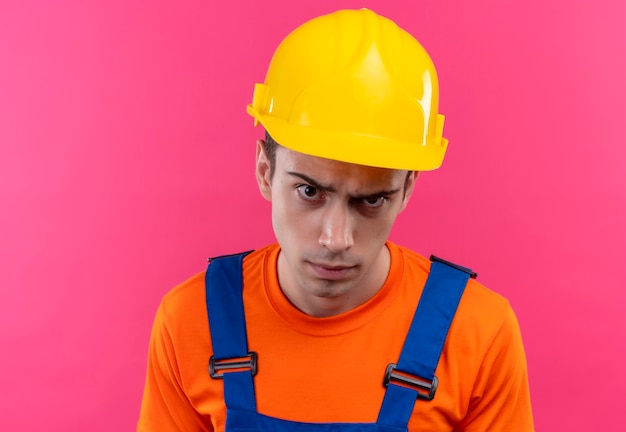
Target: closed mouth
{"points": [[331, 271]]}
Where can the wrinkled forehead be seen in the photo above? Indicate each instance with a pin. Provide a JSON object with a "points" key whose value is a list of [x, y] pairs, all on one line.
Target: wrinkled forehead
{"points": [[338, 173]]}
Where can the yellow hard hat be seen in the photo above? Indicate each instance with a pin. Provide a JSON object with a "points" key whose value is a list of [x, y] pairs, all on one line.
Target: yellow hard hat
{"points": [[353, 86]]}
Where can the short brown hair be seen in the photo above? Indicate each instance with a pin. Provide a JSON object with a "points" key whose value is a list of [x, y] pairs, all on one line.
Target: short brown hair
{"points": [[270, 152]]}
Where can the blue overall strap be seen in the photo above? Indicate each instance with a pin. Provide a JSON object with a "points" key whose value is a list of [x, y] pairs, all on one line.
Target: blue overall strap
{"points": [[227, 324], [423, 345]]}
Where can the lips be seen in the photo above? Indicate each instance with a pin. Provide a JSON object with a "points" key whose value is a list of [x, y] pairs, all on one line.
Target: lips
{"points": [[331, 272]]}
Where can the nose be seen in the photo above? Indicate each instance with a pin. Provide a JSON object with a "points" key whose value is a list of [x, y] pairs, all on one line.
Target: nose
{"points": [[337, 228]]}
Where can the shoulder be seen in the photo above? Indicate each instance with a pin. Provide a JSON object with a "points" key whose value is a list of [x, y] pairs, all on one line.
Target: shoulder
{"points": [[481, 314], [484, 320], [184, 294], [182, 309], [484, 332], [187, 300], [480, 301], [477, 299]]}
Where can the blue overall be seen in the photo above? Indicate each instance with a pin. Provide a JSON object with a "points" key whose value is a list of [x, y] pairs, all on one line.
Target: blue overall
{"points": [[236, 365]]}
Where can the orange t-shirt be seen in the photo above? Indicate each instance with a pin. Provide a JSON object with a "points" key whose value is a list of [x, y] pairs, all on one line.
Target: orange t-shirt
{"points": [[331, 369]]}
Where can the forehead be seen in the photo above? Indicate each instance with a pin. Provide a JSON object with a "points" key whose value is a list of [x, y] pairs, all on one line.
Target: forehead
{"points": [[337, 173]]}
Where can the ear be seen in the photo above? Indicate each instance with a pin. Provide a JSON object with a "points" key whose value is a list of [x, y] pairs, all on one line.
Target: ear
{"points": [[409, 186], [263, 171]]}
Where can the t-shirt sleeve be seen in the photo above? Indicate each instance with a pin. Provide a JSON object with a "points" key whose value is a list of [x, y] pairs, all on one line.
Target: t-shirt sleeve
{"points": [[165, 406], [501, 398]]}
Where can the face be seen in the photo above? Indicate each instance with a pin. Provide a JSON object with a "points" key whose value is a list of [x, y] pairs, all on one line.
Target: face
{"points": [[332, 220]]}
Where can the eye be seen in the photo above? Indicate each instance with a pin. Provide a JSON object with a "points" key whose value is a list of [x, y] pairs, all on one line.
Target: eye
{"points": [[309, 192], [374, 202]]}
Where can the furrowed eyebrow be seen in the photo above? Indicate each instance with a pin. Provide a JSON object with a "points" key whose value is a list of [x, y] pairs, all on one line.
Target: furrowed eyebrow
{"points": [[327, 188], [312, 182], [383, 193]]}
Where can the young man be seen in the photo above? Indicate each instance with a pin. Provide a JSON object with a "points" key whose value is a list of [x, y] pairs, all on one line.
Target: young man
{"points": [[320, 332]]}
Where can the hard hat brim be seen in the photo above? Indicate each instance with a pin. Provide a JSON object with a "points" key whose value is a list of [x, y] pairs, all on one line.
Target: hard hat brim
{"points": [[352, 148]]}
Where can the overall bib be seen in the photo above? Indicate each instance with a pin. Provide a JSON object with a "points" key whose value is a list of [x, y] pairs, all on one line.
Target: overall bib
{"points": [[236, 365]]}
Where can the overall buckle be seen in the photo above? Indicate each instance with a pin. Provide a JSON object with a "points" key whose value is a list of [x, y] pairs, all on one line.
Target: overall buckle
{"points": [[248, 362], [425, 389]]}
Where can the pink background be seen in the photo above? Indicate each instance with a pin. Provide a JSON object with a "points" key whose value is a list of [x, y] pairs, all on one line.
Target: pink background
{"points": [[127, 158]]}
